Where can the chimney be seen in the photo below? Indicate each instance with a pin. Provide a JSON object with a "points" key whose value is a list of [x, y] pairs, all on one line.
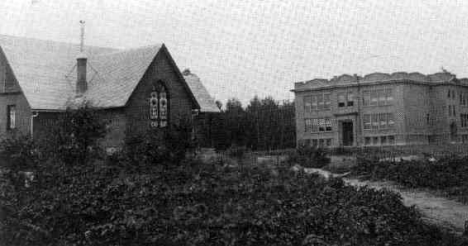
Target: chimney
{"points": [[81, 60]]}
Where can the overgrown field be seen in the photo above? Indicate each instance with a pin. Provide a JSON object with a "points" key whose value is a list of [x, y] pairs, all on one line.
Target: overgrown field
{"points": [[204, 204], [149, 193], [448, 174]]}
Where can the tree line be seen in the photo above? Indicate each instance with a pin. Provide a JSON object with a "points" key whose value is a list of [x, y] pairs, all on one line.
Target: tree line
{"points": [[264, 124]]}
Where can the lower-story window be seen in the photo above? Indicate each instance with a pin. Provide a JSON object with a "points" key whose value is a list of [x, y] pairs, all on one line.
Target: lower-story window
{"points": [[379, 140], [321, 142], [11, 117]]}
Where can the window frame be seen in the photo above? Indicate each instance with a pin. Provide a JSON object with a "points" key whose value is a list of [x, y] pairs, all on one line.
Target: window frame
{"points": [[341, 100], [11, 117], [159, 88]]}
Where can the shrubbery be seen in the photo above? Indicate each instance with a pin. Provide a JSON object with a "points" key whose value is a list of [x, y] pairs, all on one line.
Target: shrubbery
{"points": [[449, 174], [308, 156], [203, 204], [74, 137], [149, 194]]}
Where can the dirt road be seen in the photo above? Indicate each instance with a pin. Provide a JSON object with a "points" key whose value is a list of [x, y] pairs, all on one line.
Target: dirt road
{"points": [[435, 209]]}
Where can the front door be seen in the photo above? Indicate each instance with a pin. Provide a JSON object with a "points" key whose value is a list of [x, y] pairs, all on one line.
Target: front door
{"points": [[347, 131]]}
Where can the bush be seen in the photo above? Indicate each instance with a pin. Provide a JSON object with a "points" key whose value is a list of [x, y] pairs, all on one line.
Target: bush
{"points": [[74, 137], [165, 147], [205, 204], [18, 153], [310, 157], [449, 174]]}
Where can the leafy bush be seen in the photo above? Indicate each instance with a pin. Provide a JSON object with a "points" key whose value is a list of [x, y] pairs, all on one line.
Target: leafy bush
{"points": [[166, 147], [449, 174], [205, 204], [18, 153], [74, 137], [308, 156]]}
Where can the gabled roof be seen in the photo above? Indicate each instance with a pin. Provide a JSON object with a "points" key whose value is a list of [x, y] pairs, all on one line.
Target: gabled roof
{"points": [[118, 74], [41, 66], [46, 72], [206, 102]]}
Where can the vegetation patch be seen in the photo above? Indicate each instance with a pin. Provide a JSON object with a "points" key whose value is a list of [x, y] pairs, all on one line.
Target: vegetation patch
{"points": [[448, 174]]}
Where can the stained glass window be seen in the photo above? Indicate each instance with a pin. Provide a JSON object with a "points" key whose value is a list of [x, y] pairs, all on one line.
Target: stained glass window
{"points": [[158, 106]]}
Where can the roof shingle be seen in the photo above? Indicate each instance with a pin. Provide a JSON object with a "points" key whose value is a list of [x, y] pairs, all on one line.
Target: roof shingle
{"points": [[46, 73]]}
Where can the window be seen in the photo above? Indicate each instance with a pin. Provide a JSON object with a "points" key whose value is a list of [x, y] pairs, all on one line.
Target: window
{"points": [[382, 97], [454, 113], [390, 120], [448, 94], [314, 105], [158, 106], [389, 96], [391, 140], [375, 121], [318, 125], [321, 142], [326, 98], [317, 102], [329, 142], [374, 98], [341, 100], [350, 98], [11, 117], [321, 125], [383, 140], [328, 125], [314, 142], [367, 122], [449, 110], [378, 97], [375, 140], [308, 125], [383, 121], [320, 101], [366, 98], [464, 120], [378, 121], [307, 103], [367, 141]]}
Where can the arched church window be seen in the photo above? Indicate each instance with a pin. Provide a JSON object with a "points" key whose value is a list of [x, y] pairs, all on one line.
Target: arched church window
{"points": [[158, 104]]}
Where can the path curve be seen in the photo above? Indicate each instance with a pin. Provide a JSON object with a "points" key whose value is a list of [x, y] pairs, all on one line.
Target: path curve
{"points": [[435, 209]]}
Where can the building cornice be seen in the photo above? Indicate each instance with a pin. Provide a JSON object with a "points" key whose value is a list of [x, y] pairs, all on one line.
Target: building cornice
{"points": [[358, 84]]}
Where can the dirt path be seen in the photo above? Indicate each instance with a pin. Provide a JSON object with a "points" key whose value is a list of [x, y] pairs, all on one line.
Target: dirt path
{"points": [[435, 209]]}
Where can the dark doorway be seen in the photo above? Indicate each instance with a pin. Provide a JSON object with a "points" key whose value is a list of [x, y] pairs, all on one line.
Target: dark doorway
{"points": [[347, 131]]}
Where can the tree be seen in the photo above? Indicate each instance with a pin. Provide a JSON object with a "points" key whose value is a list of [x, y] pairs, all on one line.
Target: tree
{"points": [[75, 135]]}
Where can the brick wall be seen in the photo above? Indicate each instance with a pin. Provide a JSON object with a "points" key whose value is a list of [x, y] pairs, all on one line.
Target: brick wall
{"points": [[180, 104]]}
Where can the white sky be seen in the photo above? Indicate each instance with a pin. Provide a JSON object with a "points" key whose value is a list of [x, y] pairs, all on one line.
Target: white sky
{"points": [[243, 48]]}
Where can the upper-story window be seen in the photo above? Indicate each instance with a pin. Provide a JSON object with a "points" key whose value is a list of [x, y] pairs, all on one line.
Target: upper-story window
{"points": [[341, 100], [345, 99], [378, 121], [350, 99], [378, 97], [159, 106], [451, 94], [317, 102]]}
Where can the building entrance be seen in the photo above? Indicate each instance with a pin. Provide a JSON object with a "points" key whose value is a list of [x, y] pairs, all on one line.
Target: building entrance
{"points": [[347, 131]]}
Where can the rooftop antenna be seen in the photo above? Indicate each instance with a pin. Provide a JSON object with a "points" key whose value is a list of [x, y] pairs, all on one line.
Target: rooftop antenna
{"points": [[82, 35]]}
